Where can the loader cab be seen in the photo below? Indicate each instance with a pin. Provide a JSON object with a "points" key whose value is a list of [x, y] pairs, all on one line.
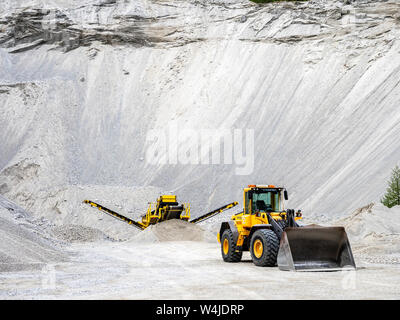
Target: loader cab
{"points": [[263, 199]]}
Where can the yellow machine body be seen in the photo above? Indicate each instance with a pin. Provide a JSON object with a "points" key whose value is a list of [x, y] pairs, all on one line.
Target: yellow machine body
{"points": [[271, 234], [165, 208], [245, 220]]}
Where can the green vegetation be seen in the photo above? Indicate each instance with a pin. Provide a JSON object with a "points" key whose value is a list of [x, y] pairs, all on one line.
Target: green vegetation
{"points": [[392, 196]]}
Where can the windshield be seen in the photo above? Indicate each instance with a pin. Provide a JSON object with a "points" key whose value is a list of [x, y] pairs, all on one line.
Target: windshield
{"points": [[266, 201]]}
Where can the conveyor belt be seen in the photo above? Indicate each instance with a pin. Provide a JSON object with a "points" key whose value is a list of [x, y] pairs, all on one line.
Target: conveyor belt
{"points": [[115, 214], [213, 213], [142, 226]]}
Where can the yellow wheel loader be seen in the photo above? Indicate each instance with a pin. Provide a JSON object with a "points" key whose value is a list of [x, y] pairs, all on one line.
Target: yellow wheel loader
{"points": [[273, 236]]}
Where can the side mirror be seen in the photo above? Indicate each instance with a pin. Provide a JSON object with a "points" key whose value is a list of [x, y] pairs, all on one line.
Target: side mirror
{"points": [[285, 194]]}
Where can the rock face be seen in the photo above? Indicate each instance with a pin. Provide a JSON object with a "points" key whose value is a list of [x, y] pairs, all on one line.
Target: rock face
{"points": [[82, 84]]}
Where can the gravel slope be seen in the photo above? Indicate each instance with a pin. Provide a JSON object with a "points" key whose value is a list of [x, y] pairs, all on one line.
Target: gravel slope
{"points": [[24, 242], [317, 81]]}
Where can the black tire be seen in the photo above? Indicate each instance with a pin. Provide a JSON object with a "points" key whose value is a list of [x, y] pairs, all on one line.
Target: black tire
{"points": [[230, 254], [269, 243], [282, 224]]}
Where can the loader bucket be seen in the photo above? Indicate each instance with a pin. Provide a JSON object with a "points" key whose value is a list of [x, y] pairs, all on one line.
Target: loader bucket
{"points": [[315, 248]]}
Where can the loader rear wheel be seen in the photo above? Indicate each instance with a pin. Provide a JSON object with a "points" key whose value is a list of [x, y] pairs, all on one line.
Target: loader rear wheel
{"points": [[228, 247], [264, 248]]}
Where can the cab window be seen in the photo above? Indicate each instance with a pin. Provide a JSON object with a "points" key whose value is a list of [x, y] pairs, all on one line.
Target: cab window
{"points": [[265, 201], [247, 204]]}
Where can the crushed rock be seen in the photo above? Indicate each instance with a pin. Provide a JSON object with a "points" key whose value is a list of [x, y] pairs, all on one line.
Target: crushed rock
{"points": [[78, 233], [374, 234], [24, 242]]}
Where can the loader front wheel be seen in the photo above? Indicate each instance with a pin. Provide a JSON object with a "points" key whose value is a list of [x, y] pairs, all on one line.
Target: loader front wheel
{"points": [[264, 246], [282, 224], [228, 247]]}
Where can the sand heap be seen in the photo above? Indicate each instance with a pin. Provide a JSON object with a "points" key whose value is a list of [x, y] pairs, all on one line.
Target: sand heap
{"points": [[372, 222], [24, 242], [374, 234], [174, 230]]}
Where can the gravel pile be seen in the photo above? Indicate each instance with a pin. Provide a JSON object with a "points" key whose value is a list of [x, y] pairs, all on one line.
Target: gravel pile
{"points": [[174, 230], [24, 242], [77, 233], [372, 223]]}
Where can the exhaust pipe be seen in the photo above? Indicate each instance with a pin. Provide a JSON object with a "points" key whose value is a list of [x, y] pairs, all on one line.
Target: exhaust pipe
{"points": [[315, 248]]}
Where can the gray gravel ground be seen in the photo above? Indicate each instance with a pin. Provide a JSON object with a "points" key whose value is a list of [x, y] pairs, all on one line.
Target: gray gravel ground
{"points": [[160, 263], [190, 270]]}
